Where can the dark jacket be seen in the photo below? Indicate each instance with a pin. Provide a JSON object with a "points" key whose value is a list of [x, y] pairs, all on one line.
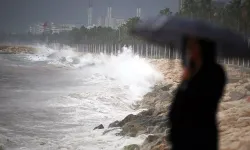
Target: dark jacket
{"points": [[192, 115]]}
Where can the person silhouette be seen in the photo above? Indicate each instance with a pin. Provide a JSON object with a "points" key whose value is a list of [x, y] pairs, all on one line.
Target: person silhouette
{"points": [[192, 114]]}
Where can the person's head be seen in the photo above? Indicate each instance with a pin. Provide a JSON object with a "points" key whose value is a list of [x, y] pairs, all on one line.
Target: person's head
{"points": [[197, 53]]}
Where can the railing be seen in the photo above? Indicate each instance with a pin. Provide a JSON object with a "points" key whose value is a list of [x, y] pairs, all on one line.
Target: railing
{"points": [[150, 51]]}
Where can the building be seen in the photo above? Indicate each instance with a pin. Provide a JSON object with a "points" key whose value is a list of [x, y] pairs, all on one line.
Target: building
{"points": [[50, 28], [36, 29], [109, 21], [90, 11], [90, 14], [138, 12]]}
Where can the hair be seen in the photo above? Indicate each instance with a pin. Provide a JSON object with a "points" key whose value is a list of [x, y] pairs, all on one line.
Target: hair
{"points": [[208, 50]]}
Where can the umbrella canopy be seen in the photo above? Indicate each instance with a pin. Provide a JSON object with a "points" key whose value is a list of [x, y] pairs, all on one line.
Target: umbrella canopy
{"points": [[164, 30]]}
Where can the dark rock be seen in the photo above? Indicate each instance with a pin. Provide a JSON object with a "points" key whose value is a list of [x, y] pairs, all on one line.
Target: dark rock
{"points": [[129, 118], [99, 127], [109, 130], [151, 94], [42, 143], [152, 138], [153, 121], [143, 122], [132, 147], [119, 134], [132, 129], [159, 96], [150, 121], [167, 87], [114, 124], [146, 113]]}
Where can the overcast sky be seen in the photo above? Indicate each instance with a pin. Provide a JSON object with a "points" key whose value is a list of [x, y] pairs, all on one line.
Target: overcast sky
{"points": [[17, 15]]}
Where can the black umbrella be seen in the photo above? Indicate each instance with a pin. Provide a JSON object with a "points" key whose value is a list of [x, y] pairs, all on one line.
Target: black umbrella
{"points": [[164, 30]]}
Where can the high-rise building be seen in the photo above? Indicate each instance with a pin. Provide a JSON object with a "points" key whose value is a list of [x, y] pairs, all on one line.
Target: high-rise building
{"points": [[109, 21], [110, 12], [138, 12], [90, 13]]}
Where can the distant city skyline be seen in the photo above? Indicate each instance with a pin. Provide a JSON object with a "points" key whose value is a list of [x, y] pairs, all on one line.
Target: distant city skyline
{"points": [[16, 15]]}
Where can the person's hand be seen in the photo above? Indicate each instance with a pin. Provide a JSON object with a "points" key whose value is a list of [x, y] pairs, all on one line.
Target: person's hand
{"points": [[186, 74]]}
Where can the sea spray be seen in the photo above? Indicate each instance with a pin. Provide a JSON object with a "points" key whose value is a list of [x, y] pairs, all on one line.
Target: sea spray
{"points": [[106, 86]]}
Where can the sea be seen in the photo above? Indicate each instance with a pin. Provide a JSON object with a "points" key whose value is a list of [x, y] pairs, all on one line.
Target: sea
{"points": [[53, 99]]}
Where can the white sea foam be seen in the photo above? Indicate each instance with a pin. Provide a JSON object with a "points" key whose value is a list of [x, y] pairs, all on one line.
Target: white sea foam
{"points": [[110, 85]]}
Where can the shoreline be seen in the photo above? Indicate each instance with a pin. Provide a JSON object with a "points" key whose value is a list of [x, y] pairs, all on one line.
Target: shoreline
{"points": [[233, 115]]}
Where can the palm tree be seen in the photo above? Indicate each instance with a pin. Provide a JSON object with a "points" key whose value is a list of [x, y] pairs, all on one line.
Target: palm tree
{"points": [[166, 11], [189, 8]]}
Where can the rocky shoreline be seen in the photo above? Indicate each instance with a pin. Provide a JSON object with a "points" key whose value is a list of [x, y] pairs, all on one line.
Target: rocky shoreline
{"points": [[10, 49], [233, 116]]}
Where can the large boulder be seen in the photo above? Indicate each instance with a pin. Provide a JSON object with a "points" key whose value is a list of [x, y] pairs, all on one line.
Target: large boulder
{"points": [[99, 127], [132, 129], [156, 96], [114, 124], [144, 122]]}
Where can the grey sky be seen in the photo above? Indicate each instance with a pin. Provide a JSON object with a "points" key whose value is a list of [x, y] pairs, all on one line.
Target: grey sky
{"points": [[17, 15]]}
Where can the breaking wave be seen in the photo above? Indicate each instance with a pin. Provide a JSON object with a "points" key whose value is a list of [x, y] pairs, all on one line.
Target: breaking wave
{"points": [[108, 86]]}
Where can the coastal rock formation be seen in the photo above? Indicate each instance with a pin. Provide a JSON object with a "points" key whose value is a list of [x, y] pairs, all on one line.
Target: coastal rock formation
{"points": [[143, 123], [233, 116], [16, 49]]}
